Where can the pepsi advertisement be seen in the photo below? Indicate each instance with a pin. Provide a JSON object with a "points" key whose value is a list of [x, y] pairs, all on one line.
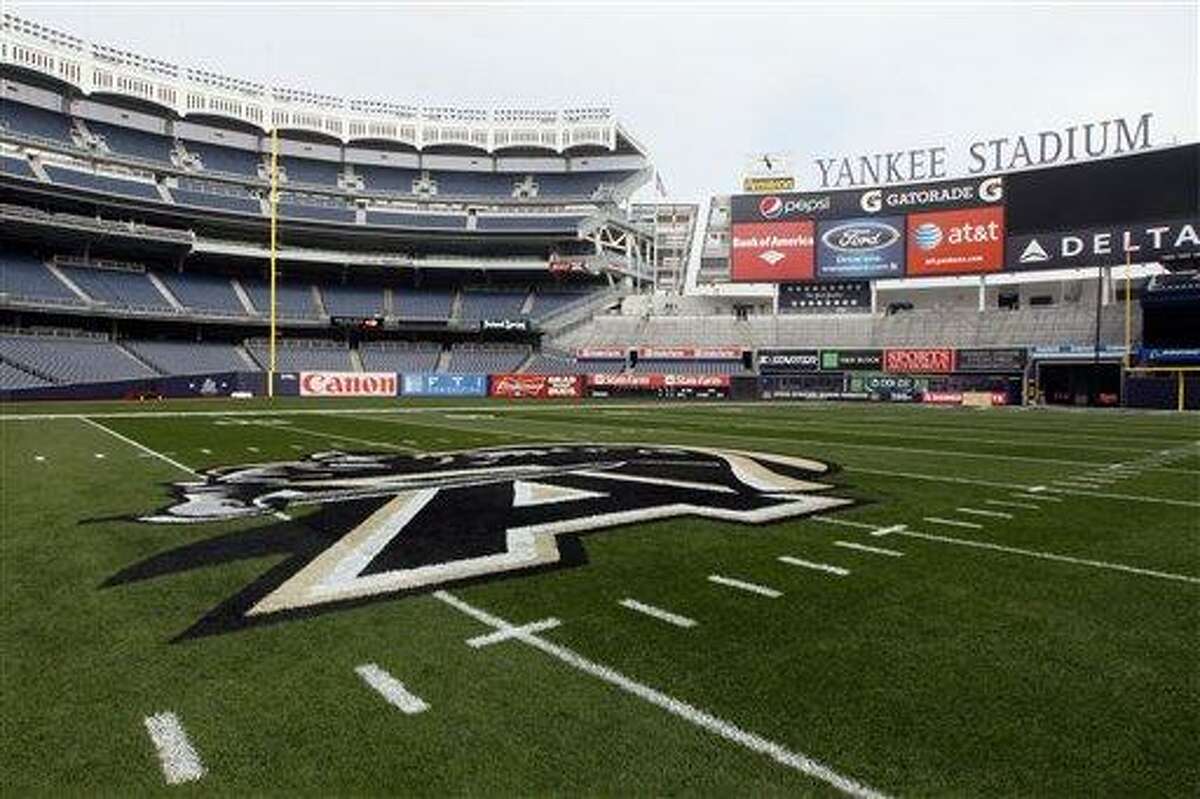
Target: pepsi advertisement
{"points": [[862, 248], [438, 385]]}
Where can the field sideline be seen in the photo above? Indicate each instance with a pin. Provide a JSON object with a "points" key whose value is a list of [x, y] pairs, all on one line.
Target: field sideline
{"points": [[1007, 606]]}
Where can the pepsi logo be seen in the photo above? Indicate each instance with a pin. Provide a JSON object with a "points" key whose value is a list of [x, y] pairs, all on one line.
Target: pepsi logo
{"points": [[770, 207]]}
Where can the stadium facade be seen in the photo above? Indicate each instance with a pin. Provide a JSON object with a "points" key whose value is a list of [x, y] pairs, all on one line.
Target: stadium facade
{"points": [[467, 251]]}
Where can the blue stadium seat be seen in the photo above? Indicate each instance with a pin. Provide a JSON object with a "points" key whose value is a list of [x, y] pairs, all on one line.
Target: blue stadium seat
{"points": [[204, 293], [231, 160], [422, 304], [103, 184], [26, 277], [480, 304], [71, 360], [35, 122], [189, 357], [119, 288], [133, 143], [310, 170]]}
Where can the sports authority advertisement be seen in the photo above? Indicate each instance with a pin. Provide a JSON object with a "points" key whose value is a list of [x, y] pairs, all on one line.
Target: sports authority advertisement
{"points": [[919, 361], [967, 241], [772, 252], [1000, 360], [445, 385], [860, 248], [348, 384], [787, 361], [851, 360], [1164, 241], [527, 386]]}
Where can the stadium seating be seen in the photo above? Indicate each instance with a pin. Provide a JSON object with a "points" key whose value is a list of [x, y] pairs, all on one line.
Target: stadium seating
{"points": [[404, 357], [38, 123], [12, 378], [221, 196], [552, 363], [230, 160], [352, 300], [189, 357], [72, 360], [577, 184], [529, 223], [418, 221], [118, 288], [418, 304], [292, 299], [16, 166], [482, 304], [204, 293], [133, 143], [324, 212], [103, 184], [546, 303], [308, 170], [302, 354], [387, 179], [24, 276], [486, 358]]}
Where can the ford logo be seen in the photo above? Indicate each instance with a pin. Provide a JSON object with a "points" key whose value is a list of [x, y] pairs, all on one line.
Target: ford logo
{"points": [[860, 236], [770, 207]]}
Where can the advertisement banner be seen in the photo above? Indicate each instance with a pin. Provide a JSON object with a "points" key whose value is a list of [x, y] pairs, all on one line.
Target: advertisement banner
{"points": [[449, 385], [922, 361], [851, 360], [969, 241], [999, 360], [348, 384], [659, 385], [860, 248], [787, 361], [845, 296], [1163, 241], [772, 252], [536, 386], [791, 206], [687, 353], [505, 325], [600, 354], [922, 197]]}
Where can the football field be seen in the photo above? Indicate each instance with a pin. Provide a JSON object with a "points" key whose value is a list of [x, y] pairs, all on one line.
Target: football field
{"points": [[472, 597]]}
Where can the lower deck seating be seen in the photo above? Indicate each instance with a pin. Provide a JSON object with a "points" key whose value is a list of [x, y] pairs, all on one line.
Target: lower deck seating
{"points": [[25, 277], [119, 288], [12, 378], [72, 360], [189, 357], [403, 357], [547, 363], [487, 358], [204, 293], [292, 355]]}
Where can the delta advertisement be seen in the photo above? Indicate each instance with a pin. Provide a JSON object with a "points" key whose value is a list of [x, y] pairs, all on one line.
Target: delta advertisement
{"points": [[1165, 241], [348, 384], [529, 386], [445, 385], [772, 252]]}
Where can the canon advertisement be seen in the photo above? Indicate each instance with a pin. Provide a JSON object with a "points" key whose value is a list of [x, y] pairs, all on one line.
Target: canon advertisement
{"points": [[445, 385], [919, 361], [860, 248], [787, 361], [348, 384], [772, 252], [1162, 241], [528, 386], [967, 241], [852, 360], [999, 360]]}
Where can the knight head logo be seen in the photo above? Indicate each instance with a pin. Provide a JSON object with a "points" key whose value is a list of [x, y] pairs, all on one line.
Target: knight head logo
{"points": [[361, 527]]}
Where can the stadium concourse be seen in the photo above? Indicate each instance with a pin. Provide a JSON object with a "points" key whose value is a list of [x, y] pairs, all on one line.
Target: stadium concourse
{"points": [[357, 447]]}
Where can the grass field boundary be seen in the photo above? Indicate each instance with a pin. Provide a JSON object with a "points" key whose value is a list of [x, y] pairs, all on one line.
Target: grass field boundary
{"points": [[695, 716], [139, 446]]}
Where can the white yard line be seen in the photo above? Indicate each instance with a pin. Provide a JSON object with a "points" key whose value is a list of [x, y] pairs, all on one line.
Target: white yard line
{"points": [[391, 689], [1038, 497], [480, 641], [179, 759], [348, 439], [745, 586], [953, 523], [1098, 564], [689, 713], [892, 553], [995, 514], [658, 613], [136, 445], [808, 564], [1004, 503]]}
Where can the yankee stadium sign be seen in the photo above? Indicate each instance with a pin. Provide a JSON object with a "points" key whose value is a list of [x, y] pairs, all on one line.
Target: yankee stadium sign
{"points": [[372, 526], [1080, 142]]}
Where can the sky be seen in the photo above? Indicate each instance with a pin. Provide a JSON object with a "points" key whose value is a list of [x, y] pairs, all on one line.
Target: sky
{"points": [[704, 85]]}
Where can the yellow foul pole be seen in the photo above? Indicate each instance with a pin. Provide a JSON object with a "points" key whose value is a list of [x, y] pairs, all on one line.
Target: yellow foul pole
{"points": [[1128, 311], [274, 202]]}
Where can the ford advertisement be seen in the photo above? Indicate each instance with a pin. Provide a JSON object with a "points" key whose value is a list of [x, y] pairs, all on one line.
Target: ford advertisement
{"points": [[861, 248]]}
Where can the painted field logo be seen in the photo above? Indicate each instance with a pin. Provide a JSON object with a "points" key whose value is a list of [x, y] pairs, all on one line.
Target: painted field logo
{"points": [[373, 526]]}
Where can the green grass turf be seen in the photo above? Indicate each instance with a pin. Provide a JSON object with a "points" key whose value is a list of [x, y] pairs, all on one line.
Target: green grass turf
{"points": [[951, 671]]}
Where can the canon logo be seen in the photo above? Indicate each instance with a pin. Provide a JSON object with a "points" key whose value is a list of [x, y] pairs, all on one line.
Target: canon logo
{"points": [[347, 384]]}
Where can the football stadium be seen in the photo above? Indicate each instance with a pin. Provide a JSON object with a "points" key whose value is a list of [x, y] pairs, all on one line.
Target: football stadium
{"points": [[358, 447]]}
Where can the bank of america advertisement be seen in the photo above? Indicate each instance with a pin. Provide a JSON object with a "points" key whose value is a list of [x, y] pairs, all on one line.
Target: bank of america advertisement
{"points": [[866, 247]]}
